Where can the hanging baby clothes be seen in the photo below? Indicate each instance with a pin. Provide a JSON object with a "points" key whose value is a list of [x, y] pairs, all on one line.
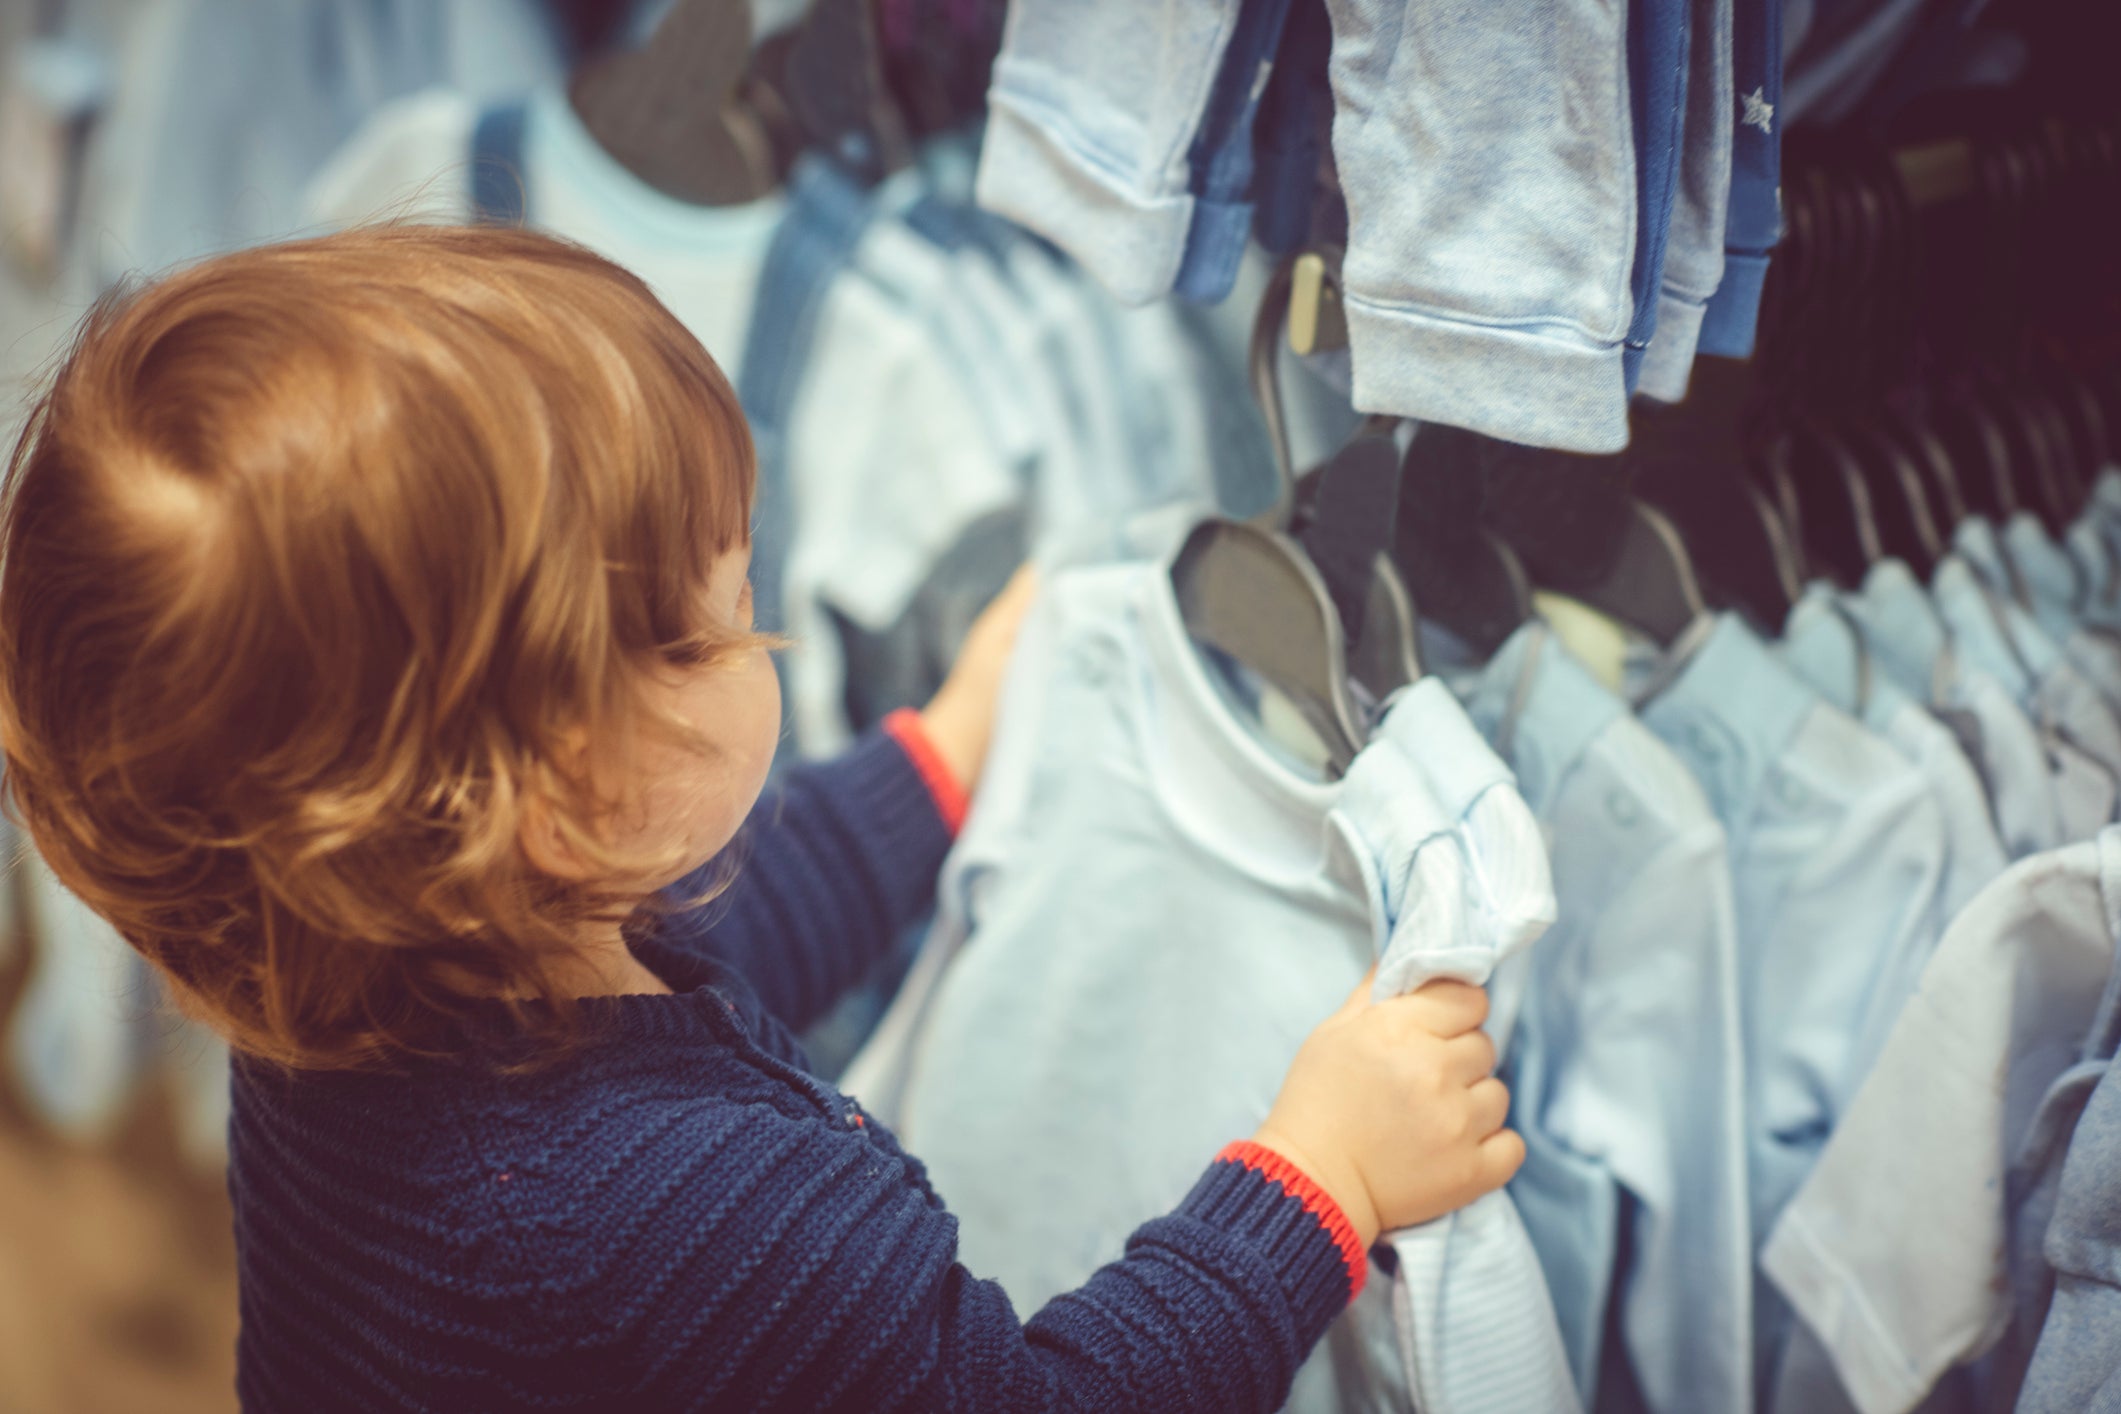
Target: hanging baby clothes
{"points": [[1822, 644], [1753, 220], [1116, 131], [1971, 591], [1837, 854], [2022, 566], [1210, 920], [2077, 1364], [1625, 1058], [1963, 1122], [2044, 791], [1693, 257], [183, 165]]}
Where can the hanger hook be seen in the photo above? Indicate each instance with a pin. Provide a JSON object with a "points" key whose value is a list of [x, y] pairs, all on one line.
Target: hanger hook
{"points": [[1264, 362]]}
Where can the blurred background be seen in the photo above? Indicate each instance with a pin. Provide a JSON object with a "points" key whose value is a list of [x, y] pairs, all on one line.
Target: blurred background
{"points": [[139, 134]]}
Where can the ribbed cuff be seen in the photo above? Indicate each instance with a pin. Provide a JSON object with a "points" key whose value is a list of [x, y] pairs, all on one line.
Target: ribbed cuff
{"points": [[1129, 239], [1541, 388], [1668, 365], [906, 728], [1734, 310], [1257, 1195]]}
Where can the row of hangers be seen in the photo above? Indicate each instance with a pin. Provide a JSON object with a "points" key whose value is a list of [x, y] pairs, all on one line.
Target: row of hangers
{"points": [[1900, 387], [1932, 348], [1912, 371]]}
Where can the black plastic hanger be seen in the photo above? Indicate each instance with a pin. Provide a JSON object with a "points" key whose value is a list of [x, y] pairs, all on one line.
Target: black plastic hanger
{"points": [[1734, 537], [1839, 522], [1249, 590], [1252, 594], [1908, 524], [1772, 475], [827, 75], [1341, 507], [1579, 532], [1347, 518], [1935, 464], [1970, 436], [1688, 462], [696, 115], [673, 112], [1467, 580]]}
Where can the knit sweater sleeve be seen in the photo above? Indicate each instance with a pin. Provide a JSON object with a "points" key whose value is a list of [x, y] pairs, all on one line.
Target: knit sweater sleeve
{"points": [[819, 1278], [834, 861]]}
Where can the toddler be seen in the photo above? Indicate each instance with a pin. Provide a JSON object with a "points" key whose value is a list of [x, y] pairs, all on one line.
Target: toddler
{"points": [[376, 654]]}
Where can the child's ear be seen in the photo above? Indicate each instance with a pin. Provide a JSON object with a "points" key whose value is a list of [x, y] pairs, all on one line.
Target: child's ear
{"points": [[545, 842]]}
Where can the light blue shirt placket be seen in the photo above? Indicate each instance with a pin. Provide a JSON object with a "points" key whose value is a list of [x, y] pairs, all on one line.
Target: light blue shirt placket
{"points": [[1837, 854], [1457, 876], [1626, 1063]]}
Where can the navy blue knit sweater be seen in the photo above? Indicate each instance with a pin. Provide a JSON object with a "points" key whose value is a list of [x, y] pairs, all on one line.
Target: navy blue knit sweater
{"points": [[679, 1216]]}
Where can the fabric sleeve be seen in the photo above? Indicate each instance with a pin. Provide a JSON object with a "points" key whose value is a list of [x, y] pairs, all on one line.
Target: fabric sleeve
{"points": [[835, 861], [2077, 1364], [820, 1279]]}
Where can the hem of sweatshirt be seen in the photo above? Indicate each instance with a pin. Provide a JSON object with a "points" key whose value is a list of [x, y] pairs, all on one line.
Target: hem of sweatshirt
{"points": [[1536, 386], [944, 789], [1733, 316], [1668, 365], [1876, 1375], [1260, 1198], [1130, 242]]}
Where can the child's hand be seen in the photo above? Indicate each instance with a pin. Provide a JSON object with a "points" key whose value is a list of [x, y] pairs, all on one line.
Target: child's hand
{"points": [[1390, 1108], [959, 720]]}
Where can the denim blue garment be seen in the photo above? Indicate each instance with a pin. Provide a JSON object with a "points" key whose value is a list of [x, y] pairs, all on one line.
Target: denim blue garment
{"points": [[1625, 1058], [1956, 1131], [1753, 220], [1486, 155], [1693, 255], [1126, 802], [2077, 1363], [1222, 156], [1091, 119], [1822, 643], [1293, 131], [2043, 791], [1659, 42], [178, 168], [1837, 854]]}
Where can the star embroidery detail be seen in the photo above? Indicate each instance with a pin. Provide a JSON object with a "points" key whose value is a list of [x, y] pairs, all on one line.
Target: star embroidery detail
{"points": [[1759, 113]]}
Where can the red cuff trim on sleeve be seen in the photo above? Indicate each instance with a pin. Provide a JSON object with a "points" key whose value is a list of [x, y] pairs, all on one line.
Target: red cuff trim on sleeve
{"points": [[1317, 1202], [904, 727]]}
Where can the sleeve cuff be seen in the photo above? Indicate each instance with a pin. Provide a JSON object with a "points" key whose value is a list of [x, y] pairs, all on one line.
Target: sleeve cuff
{"points": [[1316, 1201], [1257, 1197], [951, 802]]}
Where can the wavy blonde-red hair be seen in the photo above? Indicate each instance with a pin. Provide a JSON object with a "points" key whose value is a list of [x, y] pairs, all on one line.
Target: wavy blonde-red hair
{"points": [[322, 560]]}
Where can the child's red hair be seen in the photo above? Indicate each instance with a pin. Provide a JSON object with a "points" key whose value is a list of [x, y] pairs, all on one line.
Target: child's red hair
{"points": [[321, 561]]}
